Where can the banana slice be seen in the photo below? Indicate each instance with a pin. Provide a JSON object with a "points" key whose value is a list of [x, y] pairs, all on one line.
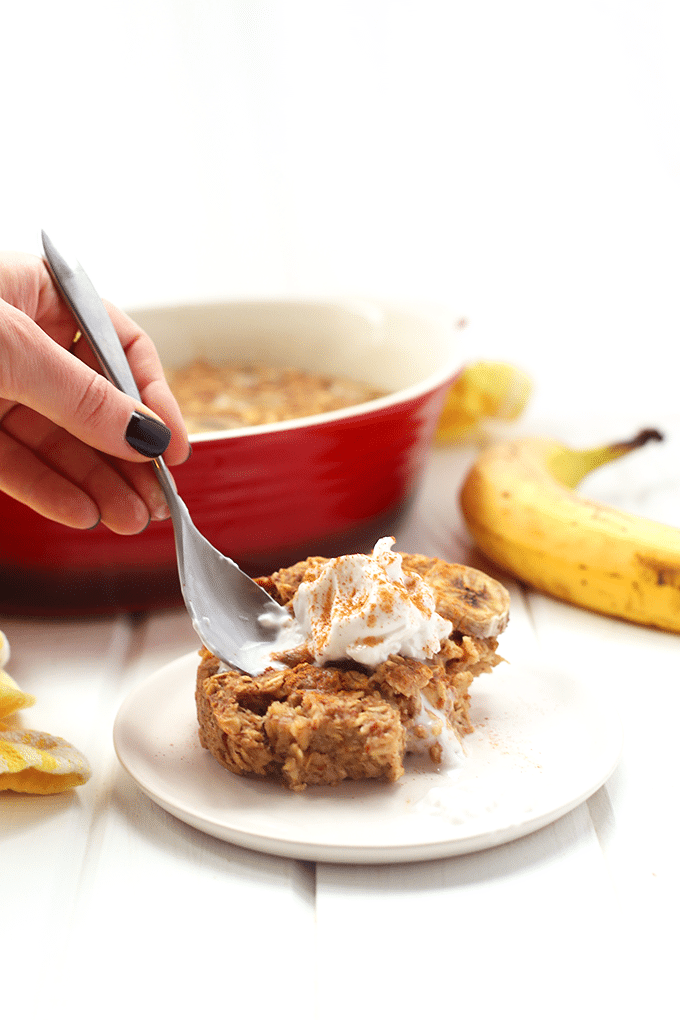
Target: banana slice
{"points": [[475, 603]]}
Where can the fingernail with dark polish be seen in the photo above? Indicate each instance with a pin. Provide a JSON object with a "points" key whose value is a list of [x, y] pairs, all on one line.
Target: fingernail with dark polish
{"points": [[147, 435]]}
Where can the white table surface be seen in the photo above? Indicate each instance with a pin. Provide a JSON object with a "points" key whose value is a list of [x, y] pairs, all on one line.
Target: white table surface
{"points": [[518, 163]]}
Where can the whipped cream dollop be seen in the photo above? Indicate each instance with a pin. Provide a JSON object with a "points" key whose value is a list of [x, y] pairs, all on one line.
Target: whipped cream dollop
{"points": [[365, 608]]}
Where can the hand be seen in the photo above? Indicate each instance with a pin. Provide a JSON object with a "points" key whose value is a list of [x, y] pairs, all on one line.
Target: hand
{"points": [[72, 446]]}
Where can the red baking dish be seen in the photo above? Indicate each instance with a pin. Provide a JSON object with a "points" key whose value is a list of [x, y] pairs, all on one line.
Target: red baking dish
{"points": [[268, 495]]}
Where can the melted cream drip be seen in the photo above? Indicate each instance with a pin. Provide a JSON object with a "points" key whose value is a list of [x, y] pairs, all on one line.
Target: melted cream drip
{"points": [[365, 608]]}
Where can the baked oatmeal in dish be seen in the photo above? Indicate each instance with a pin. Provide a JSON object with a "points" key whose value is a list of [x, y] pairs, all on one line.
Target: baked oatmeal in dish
{"points": [[213, 397], [386, 648]]}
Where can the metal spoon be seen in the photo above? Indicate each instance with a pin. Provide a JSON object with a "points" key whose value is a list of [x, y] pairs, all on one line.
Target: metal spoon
{"points": [[236, 619]]}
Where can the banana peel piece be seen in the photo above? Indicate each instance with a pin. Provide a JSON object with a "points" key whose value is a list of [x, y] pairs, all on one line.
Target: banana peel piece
{"points": [[484, 391], [32, 761]]}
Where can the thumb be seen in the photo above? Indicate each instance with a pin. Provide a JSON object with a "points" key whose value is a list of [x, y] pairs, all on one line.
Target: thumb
{"points": [[42, 375]]}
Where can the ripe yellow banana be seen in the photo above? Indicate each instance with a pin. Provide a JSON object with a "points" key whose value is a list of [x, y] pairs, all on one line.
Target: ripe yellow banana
{"points": [[521, 508]]}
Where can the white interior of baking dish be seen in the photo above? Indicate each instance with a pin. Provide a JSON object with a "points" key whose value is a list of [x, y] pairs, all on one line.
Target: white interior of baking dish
{"points": [[404, 350]]}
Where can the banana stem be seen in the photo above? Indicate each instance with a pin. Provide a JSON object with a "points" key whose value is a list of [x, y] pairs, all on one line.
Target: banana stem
{"points": [[570, 466]]}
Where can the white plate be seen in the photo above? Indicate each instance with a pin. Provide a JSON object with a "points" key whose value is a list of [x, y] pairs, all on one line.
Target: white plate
{"points": [[543, 743]]}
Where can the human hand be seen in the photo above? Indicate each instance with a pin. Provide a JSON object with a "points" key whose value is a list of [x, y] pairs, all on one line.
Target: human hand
{"points": [[72, 446]]}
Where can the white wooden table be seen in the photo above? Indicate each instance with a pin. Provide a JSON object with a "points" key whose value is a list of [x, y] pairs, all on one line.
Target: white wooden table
{"points": [[117, 898], [518, 162]]}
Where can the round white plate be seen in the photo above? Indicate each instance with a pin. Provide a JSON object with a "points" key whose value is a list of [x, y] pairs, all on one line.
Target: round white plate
{"points": [[543, 743]]}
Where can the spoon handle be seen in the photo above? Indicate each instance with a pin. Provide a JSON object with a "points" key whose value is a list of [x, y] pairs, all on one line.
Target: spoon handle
{"points": [[92, 317]]}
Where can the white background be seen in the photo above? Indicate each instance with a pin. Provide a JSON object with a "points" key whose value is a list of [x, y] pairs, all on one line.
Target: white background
{"points": [[518, 162]]}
